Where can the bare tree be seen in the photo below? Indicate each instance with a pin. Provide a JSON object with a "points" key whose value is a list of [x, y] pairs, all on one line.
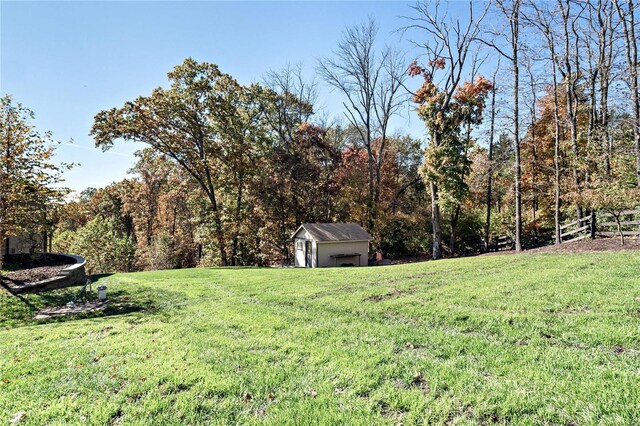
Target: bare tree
{"points": [[510, 10], [531, 136], [544, 22], [514, 25], [370, 82], [487, 223], [293, 98], [569, 68], [599, 45], [628, 22], [294, 104]]}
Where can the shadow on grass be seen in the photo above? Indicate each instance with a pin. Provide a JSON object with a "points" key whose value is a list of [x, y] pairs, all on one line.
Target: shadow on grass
{"points": [[19, 310], [118, 303], [52, 297], [230, 268]]}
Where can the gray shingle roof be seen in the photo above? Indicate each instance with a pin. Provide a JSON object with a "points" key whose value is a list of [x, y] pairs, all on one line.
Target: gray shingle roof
{"points": [[335, 231]]}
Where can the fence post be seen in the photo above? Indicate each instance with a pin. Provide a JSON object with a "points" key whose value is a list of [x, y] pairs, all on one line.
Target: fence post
{"points": [[593, 224]]}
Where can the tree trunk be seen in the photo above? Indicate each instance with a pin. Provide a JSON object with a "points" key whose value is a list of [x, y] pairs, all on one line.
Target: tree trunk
{"points": [[370, 198], [435, 223], [454, 224], [516, 125], [635, 96], [3, 236], [534, 148], [150, 216], [627, 19], [5, 187], [487, 223], [237, 218], [571, 78], [545, 27], [617, 217], [556, 158], [217, 221], [217, 225]]}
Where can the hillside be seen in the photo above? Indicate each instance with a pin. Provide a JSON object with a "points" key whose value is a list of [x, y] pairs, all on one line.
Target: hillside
{"points": [[520, 339]]}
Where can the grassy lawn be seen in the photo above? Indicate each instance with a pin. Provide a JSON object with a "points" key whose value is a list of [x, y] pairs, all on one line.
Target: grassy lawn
{"points": [[519, 339]]}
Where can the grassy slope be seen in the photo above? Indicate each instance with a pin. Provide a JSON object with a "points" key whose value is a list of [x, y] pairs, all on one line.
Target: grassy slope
{"points": [[525, 339]]}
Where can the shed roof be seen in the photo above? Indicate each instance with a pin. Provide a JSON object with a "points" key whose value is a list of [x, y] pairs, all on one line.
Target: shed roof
{"points": [[335, 232]]}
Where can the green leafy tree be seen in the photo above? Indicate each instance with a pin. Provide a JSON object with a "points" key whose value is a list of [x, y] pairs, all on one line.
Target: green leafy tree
{"points": [[205, 123], [100, 242], [152, 172], [613, 197], [27, 172]]}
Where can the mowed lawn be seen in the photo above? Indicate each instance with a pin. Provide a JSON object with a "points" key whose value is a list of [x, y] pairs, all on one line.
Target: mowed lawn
{"points": [[515, 339]]}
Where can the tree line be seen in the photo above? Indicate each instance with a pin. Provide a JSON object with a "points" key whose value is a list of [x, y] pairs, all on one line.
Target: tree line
{"points": [[531, 118]]}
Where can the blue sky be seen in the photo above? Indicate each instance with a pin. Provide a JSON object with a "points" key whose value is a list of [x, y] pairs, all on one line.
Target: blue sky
{"points": [[68, 60]]}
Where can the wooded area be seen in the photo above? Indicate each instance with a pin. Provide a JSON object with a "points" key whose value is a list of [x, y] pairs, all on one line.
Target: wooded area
{"points": [[531, 115]]}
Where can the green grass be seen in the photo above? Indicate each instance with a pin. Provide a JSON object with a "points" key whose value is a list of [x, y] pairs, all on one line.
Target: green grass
{"points": [[519, 339]]}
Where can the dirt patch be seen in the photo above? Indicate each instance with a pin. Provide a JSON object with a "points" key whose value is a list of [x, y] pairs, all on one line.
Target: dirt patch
{"points": [[386, 411], [420, 382], [391, 294], [403, 260], [599, 244], [583, 246], [71, 309]]}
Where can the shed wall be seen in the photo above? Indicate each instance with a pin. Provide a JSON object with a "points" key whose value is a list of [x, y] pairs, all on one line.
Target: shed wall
{"points": [[325, 250], [302, 236]]}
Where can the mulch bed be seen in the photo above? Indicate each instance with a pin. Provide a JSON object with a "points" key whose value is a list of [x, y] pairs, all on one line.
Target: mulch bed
{"points": [[32, 275], [35, 270]]}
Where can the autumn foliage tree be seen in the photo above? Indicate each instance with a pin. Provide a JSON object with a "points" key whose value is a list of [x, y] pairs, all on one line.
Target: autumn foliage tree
{"points": [[444, 113], [231, 170], [297, 185]]}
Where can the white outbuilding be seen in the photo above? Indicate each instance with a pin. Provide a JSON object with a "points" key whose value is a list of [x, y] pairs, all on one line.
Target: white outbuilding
{"points": [[319, 245]]}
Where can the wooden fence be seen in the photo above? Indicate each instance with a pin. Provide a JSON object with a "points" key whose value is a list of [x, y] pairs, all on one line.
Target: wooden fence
{"points": [[601, 224], [592, 226], [502, 243]]}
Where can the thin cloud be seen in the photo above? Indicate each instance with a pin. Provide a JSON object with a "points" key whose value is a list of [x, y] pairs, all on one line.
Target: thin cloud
{"points": [[86, 148]]}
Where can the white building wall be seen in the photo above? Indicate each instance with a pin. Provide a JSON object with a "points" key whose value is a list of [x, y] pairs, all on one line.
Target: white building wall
{"points": [[299, 246], [299, 251], [326, 249]]}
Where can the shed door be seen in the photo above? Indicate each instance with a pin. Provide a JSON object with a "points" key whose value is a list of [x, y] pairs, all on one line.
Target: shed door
{"points": [[308, 254]]}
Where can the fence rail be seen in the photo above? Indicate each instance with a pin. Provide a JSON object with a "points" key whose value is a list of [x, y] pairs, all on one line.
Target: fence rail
{"points": [[501, 243], [629, 224], [614, 234], [586, 227]]}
